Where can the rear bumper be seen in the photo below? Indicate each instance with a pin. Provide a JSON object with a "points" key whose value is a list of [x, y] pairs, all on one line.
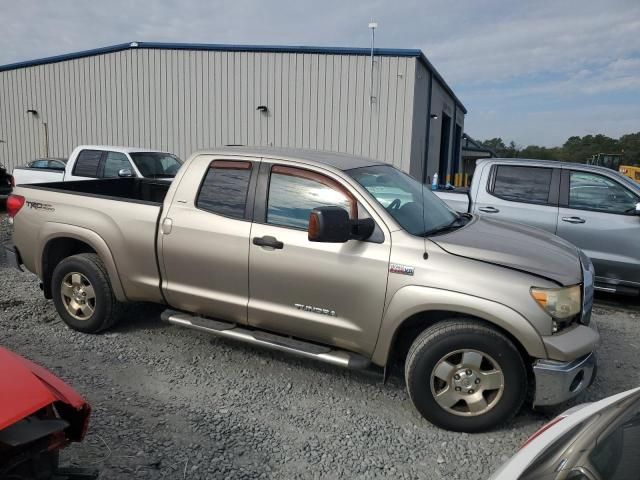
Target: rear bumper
{"points": [[557, 382], [13, 256]]}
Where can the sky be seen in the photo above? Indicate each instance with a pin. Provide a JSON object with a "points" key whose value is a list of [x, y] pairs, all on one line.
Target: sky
{"points": [[532, 71]]}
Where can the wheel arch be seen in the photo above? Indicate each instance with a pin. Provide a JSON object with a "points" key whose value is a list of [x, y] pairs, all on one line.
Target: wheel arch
{"points": [[413, 309], [67, 240]]}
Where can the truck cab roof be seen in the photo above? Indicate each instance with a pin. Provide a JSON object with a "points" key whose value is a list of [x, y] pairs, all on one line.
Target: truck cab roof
{"points": [[340, 161], [544, 163], [117, 148]]}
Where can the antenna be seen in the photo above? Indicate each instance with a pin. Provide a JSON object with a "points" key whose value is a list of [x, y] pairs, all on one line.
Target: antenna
{"points": [[372, 25]]}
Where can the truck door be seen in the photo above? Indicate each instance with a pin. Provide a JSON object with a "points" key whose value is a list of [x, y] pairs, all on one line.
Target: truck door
{"points": [[205, 238], [597, 214], [331, 293], [523, 194]]}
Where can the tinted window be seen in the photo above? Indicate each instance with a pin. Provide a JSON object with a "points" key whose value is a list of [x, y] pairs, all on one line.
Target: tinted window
{"points": [[522, 184], [294, 192], [225, 187], [115, 162], [156, 164], [87, 163], [56, 165], [616, 456], [590, 191], [39, 164]]}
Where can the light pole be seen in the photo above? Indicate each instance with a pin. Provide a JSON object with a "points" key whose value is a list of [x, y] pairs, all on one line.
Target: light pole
{"points": [[372, 25]]}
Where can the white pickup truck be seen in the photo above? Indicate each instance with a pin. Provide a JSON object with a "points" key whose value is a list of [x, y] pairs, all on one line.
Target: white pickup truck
{"points": [[90, 162], [594, 208]]}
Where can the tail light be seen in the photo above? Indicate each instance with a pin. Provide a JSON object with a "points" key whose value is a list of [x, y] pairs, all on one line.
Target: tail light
{"points": [[542, 429], [14, 204]]}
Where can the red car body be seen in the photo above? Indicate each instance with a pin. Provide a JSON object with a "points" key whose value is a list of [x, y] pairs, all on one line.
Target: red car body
{"points": [[39, 415]]}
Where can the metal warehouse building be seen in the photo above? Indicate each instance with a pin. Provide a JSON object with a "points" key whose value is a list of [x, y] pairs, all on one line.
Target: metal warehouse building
{"points": [[392, 106]]}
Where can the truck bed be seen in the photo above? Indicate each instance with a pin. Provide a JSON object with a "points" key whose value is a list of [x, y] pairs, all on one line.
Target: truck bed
{"points": [[127, 189], [118, 218]]}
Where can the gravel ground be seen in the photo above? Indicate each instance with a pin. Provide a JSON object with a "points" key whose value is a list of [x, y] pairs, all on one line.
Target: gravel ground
{"points": [[172, 403]]}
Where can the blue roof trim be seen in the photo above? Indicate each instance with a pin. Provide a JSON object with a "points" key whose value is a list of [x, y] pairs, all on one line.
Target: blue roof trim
{"points": [[385, 52]]}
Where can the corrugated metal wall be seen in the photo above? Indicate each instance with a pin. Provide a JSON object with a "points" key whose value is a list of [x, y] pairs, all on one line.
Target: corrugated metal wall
{"points": [[184, 100]]}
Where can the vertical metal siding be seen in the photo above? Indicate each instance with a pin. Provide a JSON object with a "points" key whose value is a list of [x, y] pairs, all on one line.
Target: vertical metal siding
{"points": [[181, 101]]}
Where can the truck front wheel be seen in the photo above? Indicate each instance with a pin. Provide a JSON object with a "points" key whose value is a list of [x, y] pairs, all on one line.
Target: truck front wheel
{"points": [[83, 295], [465, 376]]}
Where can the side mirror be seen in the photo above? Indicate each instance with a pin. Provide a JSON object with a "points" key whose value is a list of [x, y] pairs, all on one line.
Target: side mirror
{"points": [[637, 208], [329, 225], [125, 172], [363, 228]]}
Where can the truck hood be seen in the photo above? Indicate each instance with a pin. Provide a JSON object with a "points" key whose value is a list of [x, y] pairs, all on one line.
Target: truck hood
{"points": [[516, 246]]}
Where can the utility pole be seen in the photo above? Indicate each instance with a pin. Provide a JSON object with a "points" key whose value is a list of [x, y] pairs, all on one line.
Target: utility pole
{"points": [[372, 25]]}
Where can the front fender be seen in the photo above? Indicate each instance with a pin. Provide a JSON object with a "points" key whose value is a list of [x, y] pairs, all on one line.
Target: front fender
{"points": [[413, 299], [52, 230]]}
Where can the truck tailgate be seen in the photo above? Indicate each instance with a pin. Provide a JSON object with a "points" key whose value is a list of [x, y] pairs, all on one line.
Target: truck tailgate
{"points": [[26, 175]]}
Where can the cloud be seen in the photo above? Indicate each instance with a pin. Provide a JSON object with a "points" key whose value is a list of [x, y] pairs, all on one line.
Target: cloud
{"points": [[513, 58]]}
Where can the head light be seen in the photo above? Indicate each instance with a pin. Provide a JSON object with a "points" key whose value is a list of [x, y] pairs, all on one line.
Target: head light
{"points": [[560, 303]]}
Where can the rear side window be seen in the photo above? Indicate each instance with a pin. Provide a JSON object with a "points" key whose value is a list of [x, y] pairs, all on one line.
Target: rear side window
{"points": [[225, 188], [87, 163], [522, 184]]}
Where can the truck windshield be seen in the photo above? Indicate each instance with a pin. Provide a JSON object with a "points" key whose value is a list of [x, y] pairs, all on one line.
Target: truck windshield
{"points": [[156, 164], [415, 208]]}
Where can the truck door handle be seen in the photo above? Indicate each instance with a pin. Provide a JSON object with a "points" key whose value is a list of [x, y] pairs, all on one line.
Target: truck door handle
{"points": [[573, 220], [268, 241], [489, 209]]}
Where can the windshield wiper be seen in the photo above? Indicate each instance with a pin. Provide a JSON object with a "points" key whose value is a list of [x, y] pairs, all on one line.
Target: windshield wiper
{"points": [[457, 222]]}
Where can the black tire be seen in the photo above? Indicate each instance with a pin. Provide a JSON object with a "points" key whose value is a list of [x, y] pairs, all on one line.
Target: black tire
{"points": [[447, 337], [107, 310]]}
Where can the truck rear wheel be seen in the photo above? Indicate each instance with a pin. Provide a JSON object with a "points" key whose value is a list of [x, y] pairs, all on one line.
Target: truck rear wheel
{"points": [[83, 295], [464, 376]]}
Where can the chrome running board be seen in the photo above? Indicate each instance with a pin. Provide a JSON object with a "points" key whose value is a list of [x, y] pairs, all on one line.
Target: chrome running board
{"points": [[261, 338]]}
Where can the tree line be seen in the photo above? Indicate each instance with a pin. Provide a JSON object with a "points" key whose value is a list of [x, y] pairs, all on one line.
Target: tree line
{"points": [[575, 149]]}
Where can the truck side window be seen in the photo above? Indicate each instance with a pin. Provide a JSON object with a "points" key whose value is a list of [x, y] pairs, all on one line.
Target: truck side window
{"points": [[87, 163], [590, 191], [115, 162], [39, 164], [294, 192], [522, 184], [225, 187]]}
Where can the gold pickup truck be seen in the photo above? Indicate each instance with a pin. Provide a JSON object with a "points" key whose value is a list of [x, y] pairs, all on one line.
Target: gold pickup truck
{"points": [[331, 257]]}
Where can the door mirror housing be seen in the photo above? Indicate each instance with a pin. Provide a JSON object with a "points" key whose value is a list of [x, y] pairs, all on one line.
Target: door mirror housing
{"points": [[333, 225], [125, 172], [329, 225], [363, 228]]}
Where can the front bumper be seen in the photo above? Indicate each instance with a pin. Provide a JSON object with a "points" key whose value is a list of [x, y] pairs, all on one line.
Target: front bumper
{"points": [[557, 382], [12, 255]]}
